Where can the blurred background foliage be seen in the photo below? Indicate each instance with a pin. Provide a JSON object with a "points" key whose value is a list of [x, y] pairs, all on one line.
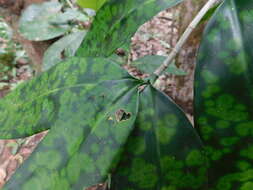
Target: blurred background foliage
{"points": [[12, 56]]}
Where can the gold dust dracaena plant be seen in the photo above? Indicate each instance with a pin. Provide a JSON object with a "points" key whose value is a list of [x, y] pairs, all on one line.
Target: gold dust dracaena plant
{"points": [[106, 125]]}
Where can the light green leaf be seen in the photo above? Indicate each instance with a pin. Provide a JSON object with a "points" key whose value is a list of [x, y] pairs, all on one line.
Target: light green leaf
{"points": [[172, 69], [92, 4], [63, 48], [148, 64]]}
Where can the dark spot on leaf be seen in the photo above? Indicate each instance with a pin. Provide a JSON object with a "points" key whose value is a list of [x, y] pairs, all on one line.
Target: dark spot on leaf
{"points": [[122, 115]]}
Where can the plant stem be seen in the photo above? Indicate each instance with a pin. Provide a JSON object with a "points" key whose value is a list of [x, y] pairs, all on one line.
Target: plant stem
{"points": [[185, 36]]}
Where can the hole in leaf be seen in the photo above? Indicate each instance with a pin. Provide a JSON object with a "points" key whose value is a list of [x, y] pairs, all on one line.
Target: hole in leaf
{"points": [[122, 115]]}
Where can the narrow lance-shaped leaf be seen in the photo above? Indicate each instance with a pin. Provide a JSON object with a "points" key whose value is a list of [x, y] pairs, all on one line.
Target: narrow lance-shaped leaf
{"points": [[92, 124], [30, 109], [117, 21], [224, 96], [163, 152]]}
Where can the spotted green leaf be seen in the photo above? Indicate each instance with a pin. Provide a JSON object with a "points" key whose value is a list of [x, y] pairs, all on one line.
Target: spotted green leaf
{"points": [[92, 4], [33, 107], [117, 21], [163, 151], [63, 48], [85, 140], [40, 21], [224, 96], [148, 64], [97, 112]]}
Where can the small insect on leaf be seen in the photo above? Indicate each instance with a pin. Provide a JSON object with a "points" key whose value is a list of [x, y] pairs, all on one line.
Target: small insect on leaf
{"points": [[122, 115]]}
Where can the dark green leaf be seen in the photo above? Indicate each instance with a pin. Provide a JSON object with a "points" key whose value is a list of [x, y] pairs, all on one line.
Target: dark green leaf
{"points": [[148, 64], [209, 13], [38, 22], [224, 96], [65, 47], [117, 21], [163, 151]]}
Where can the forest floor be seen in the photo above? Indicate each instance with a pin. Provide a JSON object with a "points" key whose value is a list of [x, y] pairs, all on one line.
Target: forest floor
{"points": [[156, 37]]}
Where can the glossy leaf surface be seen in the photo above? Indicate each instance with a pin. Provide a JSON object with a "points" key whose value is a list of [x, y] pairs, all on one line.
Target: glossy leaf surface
{"points": [[224, 96], [63, 48], [97, 112], [163, 151], [117, 21], [39, 22]]}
